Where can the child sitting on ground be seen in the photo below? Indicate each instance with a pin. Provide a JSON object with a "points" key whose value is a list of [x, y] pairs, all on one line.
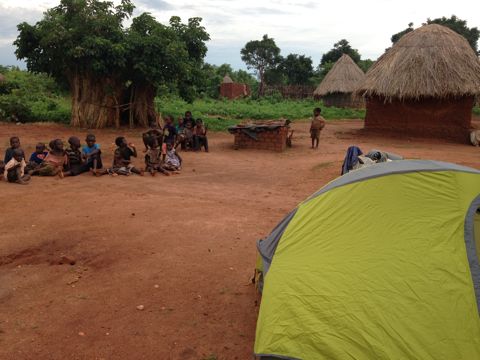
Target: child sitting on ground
{"points": [[154, 131], [54, 162], [14, 171], [318, 123], [92, 154], [76, 165], [14, 144], [121, 158], [38, 156], [200, 136], [153, 157], [171, 160]]}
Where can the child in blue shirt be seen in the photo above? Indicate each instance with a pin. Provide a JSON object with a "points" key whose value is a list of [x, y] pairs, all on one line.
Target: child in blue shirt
{"points": [[92, 154]]}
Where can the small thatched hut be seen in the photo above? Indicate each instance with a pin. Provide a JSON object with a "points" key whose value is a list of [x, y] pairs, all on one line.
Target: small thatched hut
{"points": [[424, 85], [227, 80], [339, 84], [232, 90]]}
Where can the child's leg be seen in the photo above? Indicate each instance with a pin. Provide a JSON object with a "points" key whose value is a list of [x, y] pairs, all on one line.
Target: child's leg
{"points": [[317, 140], [136, 171]]}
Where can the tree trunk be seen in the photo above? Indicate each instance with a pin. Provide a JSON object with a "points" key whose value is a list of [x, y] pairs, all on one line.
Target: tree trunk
{"points": [[94, 101], [143, 105], [261, 89]]}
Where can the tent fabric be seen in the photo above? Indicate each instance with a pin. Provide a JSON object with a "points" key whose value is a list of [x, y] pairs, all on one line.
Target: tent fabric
{"points": [[383, 264]]}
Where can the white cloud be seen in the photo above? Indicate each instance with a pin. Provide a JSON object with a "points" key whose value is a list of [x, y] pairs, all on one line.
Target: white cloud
{"points": [[303, 26]]}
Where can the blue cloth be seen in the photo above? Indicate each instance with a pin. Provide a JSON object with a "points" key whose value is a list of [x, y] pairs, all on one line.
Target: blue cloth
{"points": [[38, 158], [86, 150], [351, 159]]}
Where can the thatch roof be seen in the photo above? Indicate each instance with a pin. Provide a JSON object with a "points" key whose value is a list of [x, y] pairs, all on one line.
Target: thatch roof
{"points": [[227, 80], [344, 77], [431, 61]]}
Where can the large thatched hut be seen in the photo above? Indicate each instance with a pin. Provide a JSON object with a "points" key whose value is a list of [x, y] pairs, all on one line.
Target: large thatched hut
{"points": [[341, 81], [424, 85]]}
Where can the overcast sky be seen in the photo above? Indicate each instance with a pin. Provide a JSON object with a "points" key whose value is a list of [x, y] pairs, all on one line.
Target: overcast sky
{"points": [[298, 26]]}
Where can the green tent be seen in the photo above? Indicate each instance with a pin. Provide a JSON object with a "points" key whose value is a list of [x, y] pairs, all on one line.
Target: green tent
{"points": [[381, 263]]}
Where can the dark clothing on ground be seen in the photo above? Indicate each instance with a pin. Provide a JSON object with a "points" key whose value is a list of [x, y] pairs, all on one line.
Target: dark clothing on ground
{"points": [[38, 158], [9, 154], [351, 159]]}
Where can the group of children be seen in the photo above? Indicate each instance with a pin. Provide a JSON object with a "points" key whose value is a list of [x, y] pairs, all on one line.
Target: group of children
{"points": [[160, 153]]}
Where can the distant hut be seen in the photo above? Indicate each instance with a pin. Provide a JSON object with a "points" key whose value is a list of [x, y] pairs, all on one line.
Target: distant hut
{"points": [[232, 90], [424, 85], [340, 83]]}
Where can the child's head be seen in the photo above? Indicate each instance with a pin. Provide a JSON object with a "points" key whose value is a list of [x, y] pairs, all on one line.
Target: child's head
{"points": [[152, 142], [17, 154], [56, 145], [40, 148], [180, 121], [199, 122], [317, 111], [90, 140], [74, 142], [121, 141], [15, 142], [153, 124], [188, 114], [169, 119]]}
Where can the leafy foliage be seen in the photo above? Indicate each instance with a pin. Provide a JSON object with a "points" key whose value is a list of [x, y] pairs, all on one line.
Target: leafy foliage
{"points": [[340, 48], [261, 55], [298, 69], [453, 22]]}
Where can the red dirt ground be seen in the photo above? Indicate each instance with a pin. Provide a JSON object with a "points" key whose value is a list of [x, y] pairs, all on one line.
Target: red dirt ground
{"points": [[181, 246]]}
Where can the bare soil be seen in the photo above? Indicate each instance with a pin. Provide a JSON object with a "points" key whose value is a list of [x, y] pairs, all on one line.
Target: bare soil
{"points": [[181, 246]]}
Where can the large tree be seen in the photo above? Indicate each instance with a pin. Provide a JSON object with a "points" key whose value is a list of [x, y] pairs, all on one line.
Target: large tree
{"points": [[298, 69], [261, 55], [106, 65], [458, 25], [340, 48]]}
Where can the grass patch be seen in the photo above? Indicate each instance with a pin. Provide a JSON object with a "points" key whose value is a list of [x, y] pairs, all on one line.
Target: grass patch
{"points": [[220, 114], [476, 110]]}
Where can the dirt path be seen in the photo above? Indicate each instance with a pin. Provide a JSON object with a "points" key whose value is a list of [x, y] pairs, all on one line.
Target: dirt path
{"points": [[182, 246]]}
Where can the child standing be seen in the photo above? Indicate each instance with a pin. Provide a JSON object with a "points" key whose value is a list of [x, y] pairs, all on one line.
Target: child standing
{"points": [[92, 154], [14, 171], [121, 158], [318, 123], [14, 144], [54, 162], [154, 131]]}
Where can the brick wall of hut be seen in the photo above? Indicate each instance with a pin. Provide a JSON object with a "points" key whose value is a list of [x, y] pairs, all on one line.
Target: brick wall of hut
{"points": [[274, 140]]}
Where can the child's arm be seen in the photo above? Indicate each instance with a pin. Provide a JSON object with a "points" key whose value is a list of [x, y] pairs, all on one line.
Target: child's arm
{"points": [[134, 150]]}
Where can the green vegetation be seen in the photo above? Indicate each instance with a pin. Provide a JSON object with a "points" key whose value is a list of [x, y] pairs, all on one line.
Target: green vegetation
{"points": [[476, 110], [32, 97], [220, 114]]}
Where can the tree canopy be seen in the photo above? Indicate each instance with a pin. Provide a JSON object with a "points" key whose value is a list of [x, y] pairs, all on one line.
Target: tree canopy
{"points": [[85, 42], [453, 22], [340, 48], [298, 69], [261, 55]]}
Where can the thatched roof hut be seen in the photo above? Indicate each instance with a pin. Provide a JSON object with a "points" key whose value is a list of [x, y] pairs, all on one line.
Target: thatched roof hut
{"points": [[424, 85], [344, 77], [341, 81], [227, 80]]}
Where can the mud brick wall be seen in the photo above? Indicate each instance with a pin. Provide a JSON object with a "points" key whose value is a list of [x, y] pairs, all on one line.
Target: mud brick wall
{"points": [[234, 90], [275, 140], [432, 118]]}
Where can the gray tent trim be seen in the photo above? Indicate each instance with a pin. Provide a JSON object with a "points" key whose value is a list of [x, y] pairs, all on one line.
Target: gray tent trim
{"points": [[275, 357], [472, 256], [268, 246]]}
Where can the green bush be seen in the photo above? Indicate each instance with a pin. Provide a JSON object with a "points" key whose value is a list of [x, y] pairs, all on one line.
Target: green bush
{"points": [[29, 97]]}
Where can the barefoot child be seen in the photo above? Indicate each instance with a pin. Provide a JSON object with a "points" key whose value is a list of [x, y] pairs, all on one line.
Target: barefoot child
{"points": [[92, 154], [121, 158], [200, 136], [14, 144], [318, 123], [171, 160], [153, 157], [76, 164], [54, 162], [15, 169]]}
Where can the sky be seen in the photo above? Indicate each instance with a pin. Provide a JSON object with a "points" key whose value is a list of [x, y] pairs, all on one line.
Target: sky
{"points": [[298, 26]]}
